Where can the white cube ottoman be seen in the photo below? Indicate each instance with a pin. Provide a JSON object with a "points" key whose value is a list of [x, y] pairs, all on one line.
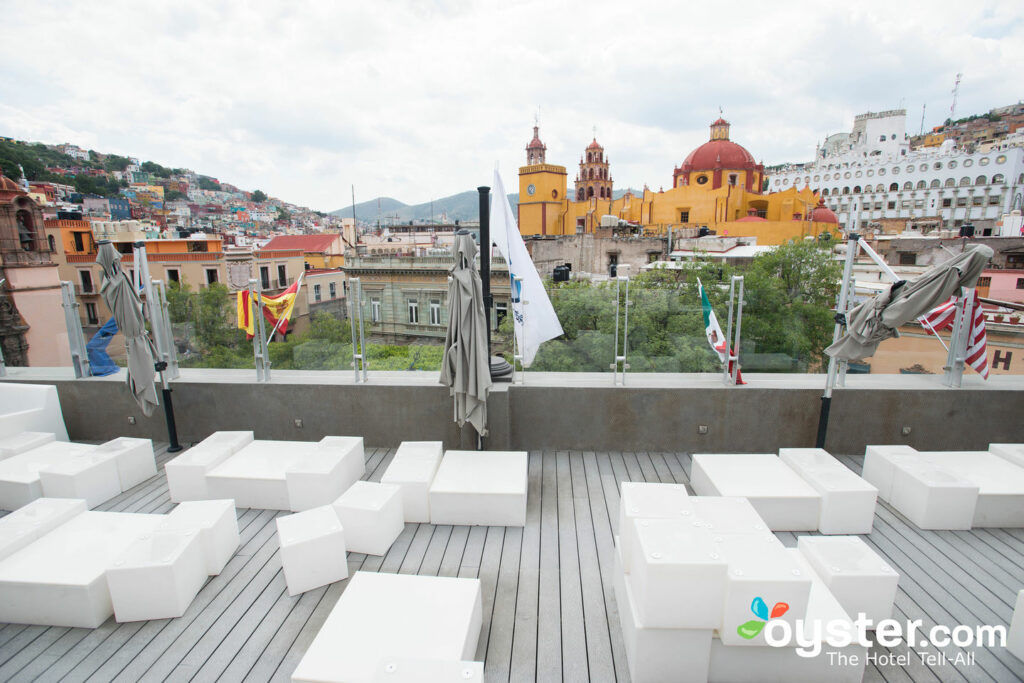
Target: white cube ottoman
{"points": [[186, 474], [482, 488], [312, 549], [23, 441], [847, 501], [764, 582], [1015, 636], [1011, 452], [91, 476], [859, 579], [217, 523], [642, 500], [783, 500], [393, 616], [371, 515], [1000, 485], [158, 576], [404, 670], [333, 465], [677, 576], [32, 521], [879, 466], [658, 654], [727, 515], [413, 468], [932, 498], [135, 459]]}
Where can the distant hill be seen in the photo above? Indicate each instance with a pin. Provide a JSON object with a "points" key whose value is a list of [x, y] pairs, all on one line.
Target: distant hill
{"points": [[462, 207]]}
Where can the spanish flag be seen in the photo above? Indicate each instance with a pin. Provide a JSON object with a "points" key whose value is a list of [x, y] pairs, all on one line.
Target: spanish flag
{"points": [[276, 309]]}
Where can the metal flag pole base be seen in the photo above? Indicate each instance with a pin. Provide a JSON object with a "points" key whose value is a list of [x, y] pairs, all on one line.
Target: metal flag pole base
{"points": [[172, 429], [501, 369]]}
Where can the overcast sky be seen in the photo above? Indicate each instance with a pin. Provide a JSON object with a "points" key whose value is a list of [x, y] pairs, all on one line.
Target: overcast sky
{"points": [[418, 100]]}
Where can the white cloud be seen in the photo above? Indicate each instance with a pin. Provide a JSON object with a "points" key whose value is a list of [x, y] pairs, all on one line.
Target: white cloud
{"points": [[416, 100]]}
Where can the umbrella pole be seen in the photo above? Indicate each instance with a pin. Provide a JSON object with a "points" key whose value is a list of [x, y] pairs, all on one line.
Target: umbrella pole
{"points": [[852, 246], [499, 367]]}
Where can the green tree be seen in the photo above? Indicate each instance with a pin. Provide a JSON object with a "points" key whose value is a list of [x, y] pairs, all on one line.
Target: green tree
{"points": [[206, 183], [156, 169], [258, 196], [179, 301], [173, 195], [213, 314]]}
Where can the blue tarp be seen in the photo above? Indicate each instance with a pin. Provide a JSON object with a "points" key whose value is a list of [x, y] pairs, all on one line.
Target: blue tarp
{"points": [[99, 361]]}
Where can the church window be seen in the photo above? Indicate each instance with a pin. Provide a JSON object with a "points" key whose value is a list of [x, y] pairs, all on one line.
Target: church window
{"points": [[702, 179], [684, 216], [732, 178], [921, 185], [53, 244], [997, 178], [580, 195], [980, 180], [846, 190], [590, 192], [950, 182], [935, 183], [856, 189], [908, 186], [965, 181], [824, 193], [26, 233]]}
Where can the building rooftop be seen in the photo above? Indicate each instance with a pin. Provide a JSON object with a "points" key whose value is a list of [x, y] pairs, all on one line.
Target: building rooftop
{"points": [[308, 243]]}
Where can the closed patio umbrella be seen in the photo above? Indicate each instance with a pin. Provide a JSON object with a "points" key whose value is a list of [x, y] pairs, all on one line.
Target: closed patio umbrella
{"points": [[124, 303], [876, 320], [466, 368]]}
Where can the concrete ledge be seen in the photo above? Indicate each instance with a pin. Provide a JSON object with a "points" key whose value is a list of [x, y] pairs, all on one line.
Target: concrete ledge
{"points": [[556, 411]]}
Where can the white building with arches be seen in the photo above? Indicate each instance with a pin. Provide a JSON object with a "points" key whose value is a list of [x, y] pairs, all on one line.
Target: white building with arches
{"points": [[866, 179]]}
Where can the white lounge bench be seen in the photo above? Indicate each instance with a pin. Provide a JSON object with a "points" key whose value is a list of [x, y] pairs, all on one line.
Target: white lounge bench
{"points": [[483, 488], [157, 576], [217, 523], [1010, 452], [90, 476], [23, 441], [1000, 484], [329, 468], [413, 468], [847, 501], [859, 579], [371, 515], [642, 500], [31, 408], [33, 521], [382, 617], [880, 466], [136, 461], [312, 549], [19, 474], [932, 498], [783, 500], [186, 474]]}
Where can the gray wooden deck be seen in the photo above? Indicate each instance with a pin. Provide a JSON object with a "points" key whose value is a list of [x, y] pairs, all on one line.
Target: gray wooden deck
{"points": [[549, 613]]}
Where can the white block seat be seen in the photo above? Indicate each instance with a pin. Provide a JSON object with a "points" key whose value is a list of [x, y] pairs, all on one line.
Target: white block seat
{"points": [[91, 476], [859, 579], [23, 441], [783, 500], [312, 549], [186, 474], [880, 466], [1015, 636], [847, 501], [60, 579], [19, 474], [33, 521], [136, 461], [677, 575], [404, 670], [413, 468], [1010, 452], [1000, 484], [482, 488], [158, 576], [31, 408], [642, 500], [766, 663], [324, 471], [759, 569], [932, 498], [382, 617], [727, 515], [657, 654], [217, 524], [371, 515]]}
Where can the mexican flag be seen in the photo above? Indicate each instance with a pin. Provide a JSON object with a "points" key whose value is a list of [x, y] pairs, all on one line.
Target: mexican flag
{"points": [[713, 331]]}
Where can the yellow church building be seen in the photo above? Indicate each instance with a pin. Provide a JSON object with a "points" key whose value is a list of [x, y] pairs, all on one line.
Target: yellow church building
{"points": [[719, 186]]}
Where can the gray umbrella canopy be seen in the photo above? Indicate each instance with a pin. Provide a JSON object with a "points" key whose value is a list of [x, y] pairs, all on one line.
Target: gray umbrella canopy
{"points": [[466, 368], [876, 320], [124, 302]]}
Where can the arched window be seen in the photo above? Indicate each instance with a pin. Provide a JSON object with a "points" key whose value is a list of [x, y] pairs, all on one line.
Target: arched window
{"points": [[997, 178], [908, 186], [965, 181], [980, 180], [856, 189], [894, 187], [591, 174], [950, 182], [846, 190], [880, 188], [935, 183], [824, 193], [26, 230], [53, 244], [921, 185], [580, 195], [590, 192]]}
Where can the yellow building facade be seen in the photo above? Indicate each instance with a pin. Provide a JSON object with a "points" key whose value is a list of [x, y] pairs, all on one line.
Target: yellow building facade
{"points": [[718, 186]]}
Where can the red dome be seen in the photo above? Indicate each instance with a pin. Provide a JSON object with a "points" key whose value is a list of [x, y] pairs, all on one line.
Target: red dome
{"points": [[720, 122], [8, 185], [594, 145], [535, 144], [823, 214], [718, 154]]}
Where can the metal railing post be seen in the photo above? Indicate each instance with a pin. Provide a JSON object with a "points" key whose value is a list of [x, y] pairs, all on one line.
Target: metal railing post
{"points": [[358, 342], [259, 340], [733, 353], [76, 337], [169, 352], [620, 360], [957, 354]]}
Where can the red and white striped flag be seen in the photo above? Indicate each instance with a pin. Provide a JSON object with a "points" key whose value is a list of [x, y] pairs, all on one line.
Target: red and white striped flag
{"points": [[942, 317]]}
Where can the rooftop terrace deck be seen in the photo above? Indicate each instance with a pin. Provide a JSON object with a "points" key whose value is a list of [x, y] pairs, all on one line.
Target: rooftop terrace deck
{"points": [[549, 613]]}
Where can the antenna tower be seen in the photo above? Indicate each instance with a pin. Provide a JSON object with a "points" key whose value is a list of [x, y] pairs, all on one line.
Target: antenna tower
{"points": [[956, 93]]}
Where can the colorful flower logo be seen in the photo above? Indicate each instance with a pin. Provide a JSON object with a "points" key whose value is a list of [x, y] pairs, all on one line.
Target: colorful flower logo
{"points": [[760, 609]]}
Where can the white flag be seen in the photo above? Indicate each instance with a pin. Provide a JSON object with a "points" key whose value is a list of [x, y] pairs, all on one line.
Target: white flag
{"points": [[535, 318]]}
